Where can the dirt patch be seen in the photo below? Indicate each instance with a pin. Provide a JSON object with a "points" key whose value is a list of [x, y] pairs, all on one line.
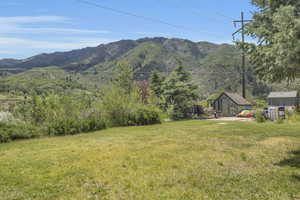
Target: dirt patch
{"points": [[275, 141], [233, 119]]}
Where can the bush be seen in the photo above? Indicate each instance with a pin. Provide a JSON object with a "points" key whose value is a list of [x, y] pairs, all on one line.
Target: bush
{"points": [[67, 126], [93, 123], [122, 109], [145, 115], [135, 116], [260, 103], [71, 126], [260, 118], [179, 112], [10, 132]]}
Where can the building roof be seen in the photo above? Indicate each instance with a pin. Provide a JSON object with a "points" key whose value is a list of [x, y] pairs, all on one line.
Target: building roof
{"points": [[239, 100], [291, 94]]}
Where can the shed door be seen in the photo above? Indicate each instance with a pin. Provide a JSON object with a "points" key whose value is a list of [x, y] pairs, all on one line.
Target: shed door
{"points": [[226, 109]]}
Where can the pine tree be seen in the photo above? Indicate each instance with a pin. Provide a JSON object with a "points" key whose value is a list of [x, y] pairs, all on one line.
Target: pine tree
{"points": [[156, 81], [179, 93], [125, 77]]}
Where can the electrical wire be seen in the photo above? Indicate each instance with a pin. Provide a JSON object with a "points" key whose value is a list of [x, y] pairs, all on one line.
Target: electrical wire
{"points": [[180, 27], [130, 14]]}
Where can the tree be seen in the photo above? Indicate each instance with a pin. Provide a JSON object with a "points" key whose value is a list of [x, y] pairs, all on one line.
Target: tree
{"points": [[276, 26], [179, 93], [125, 77], [143, 87], [156, 81]]}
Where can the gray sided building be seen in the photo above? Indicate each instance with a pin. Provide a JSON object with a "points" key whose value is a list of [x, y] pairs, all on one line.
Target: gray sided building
{"points": [[230, 104], [286, 99]]}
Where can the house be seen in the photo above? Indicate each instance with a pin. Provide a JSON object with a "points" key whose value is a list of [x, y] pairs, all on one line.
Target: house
{"points": [[284, 99], [230, 104]]}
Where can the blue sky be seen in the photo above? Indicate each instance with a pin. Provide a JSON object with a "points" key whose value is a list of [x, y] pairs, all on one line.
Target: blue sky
{"points": [[30, 27]]}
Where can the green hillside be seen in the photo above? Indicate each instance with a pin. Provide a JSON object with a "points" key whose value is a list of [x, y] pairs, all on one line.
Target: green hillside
{"points": [[40, 80], [214, 67]]}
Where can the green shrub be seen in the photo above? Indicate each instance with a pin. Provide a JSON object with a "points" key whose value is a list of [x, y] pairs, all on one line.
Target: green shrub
{"points": [[178, 112], [135, 116], [10, 132], [260, 103], [126, 109], [145, 115], [67, 126], [260, 118], [71, 126], [93, 123]]}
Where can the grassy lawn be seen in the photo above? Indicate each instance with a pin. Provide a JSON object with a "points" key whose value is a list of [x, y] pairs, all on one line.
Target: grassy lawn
{"points": [[179, 160]]}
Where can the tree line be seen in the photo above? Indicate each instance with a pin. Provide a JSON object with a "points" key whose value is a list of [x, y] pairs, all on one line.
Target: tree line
{"points": [[123, 102]]}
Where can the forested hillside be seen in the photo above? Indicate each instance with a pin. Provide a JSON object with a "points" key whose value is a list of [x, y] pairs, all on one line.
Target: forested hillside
{"points": [[214, 67]]}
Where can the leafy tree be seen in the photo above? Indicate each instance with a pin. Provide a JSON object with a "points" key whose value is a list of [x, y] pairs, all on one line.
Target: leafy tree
{"points": [[179, 93], [276, 26], [125, 77]]}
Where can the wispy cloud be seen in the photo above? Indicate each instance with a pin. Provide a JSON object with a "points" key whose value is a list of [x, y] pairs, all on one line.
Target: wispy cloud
{"points": [[16, 29], [55, 28], [22, 47], [15, 25], [12, 43], [33, 19], [11, 4]]}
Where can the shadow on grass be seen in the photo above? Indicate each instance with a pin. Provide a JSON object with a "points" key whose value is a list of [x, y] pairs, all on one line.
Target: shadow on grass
{"points": [[294, 161], [295, 177]]}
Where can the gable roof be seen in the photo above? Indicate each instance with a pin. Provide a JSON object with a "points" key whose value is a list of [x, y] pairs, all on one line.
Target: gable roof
{"points": [[291, 94], [239, 100]]}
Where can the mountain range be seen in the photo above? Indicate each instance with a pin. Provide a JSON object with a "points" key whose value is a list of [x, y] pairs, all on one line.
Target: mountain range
{"points": [[214, 67]]}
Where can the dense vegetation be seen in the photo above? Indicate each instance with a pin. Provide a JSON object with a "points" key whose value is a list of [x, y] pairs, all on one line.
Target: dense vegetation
{"points": [[276, 27], [121, 103], [176, 93]]}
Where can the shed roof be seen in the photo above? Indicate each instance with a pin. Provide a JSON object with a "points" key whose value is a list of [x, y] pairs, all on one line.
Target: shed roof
{"points": [[239, 100], [291, 94]]}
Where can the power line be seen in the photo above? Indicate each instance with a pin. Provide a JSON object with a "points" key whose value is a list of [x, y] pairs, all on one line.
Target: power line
{"points": [[130, 14], [214, 19], [180, 27], [197, 12], [225, 16]]}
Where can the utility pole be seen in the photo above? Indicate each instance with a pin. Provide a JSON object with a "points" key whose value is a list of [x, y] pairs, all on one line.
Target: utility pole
{"points": [[242, 31]]}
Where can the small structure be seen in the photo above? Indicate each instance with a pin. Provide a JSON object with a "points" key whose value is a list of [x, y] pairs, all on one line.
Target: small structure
{"points": [[230, 104], [281, 102], [289, 100]]}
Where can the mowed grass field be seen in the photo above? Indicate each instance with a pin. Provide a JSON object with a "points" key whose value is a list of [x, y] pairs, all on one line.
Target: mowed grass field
{"points": [[179, 160]]}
